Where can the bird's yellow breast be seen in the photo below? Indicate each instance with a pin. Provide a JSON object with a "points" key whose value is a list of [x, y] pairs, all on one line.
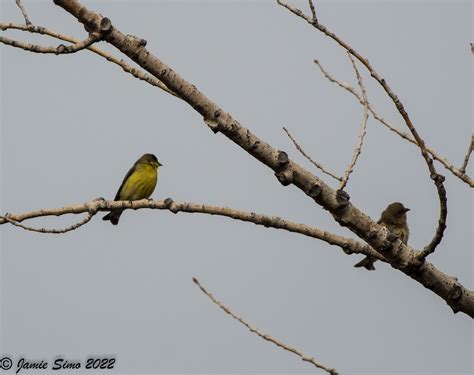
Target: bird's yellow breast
{"points": [[140, 184]]}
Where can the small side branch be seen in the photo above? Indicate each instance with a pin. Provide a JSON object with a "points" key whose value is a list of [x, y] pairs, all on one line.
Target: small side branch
{"points": [[50, 230], [363, 127], [265, 336], [316, 164], [313, 11], [431, 247], [455, 171], [137, 73], [468, 155], [59, 50], [23, 11]]}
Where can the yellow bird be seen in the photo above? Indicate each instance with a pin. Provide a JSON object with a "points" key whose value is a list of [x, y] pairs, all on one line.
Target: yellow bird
{"points": [[138, 183]]}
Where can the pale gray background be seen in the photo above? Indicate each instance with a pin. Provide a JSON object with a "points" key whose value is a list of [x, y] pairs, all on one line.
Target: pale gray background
{"points": [[73, 125]]}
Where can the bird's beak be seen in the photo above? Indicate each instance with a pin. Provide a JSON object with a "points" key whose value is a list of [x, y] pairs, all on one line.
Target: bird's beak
{"points": [[407, 209], [159, 164]]}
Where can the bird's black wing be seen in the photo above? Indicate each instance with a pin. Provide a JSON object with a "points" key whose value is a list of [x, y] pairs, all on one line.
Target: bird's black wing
{"points": [[129, 173]]}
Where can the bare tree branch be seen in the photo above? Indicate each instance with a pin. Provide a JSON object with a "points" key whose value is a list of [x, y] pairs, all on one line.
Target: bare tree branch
{"points": [[88, 218], [59, 50], [457, 172], [468, 155], [400, 256], [137, 73], [316, 164], [363, 127], [313, 11], [349, 245], [265, 336], [23, 11], [434, 175]]}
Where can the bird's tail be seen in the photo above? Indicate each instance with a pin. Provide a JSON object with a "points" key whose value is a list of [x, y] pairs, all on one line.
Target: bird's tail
{"points": [[367, 262], [113, 216]]}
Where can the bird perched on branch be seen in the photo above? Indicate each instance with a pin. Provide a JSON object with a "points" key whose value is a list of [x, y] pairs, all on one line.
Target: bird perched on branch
{"points": [[394, 218], [138, 183]]}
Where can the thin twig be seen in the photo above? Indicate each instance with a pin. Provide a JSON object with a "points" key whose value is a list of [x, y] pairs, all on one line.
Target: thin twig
{"points": [[363, 127], [23, 11], [59, 50], [265, 336], [313, 11], [137, 73], [50, 230], [468, 155], [316, 164], [457, 172]]}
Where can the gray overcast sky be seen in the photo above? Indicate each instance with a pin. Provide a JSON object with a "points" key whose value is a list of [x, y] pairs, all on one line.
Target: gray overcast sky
{"points": [[71, 126]]}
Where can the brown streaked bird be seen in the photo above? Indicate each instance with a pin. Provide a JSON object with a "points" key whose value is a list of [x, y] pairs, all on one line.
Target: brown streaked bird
{"points": [[394, 218]]}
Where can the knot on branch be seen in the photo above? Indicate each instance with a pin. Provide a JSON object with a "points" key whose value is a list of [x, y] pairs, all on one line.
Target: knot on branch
{"points": [[455, 293], [314, 190], [255, 146], [438, 178], [60, 49], [105, 25], [284, 174], [168, 202], [282, 158], [342, 199]]}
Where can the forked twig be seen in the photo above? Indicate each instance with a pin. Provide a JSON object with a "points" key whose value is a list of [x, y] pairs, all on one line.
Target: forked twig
{"points": [[457, 172], [265, 336]]}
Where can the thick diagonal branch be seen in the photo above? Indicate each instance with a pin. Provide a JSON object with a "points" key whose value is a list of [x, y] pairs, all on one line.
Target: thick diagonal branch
{"points": [[400, 256]]}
